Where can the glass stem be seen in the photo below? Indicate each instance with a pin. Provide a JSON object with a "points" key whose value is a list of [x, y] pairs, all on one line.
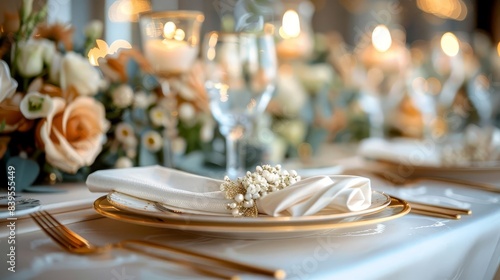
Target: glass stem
{"points": [[235, 152], [168, 160]]}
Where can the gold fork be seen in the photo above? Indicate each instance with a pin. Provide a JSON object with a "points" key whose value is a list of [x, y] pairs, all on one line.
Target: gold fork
{"points": [[400, 180], [74, 243]]}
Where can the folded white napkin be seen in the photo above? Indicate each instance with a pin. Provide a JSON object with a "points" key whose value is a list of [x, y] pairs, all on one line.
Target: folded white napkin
{"points": [[411, 152], [479, 146], [201, 194]]}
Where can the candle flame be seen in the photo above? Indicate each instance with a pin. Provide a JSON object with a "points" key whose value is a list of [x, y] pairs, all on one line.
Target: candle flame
{"points": [[179, 35], [498, 48], [169, 30], [381, 38], [450, 44], [212, 41], [290, 27]]}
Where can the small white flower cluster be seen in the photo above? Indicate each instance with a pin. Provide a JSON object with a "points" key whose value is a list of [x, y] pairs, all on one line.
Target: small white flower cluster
{"points": [[245, 190]]}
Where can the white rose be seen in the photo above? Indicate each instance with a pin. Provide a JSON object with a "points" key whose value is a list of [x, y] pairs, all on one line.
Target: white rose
{"points": [[72, 135], [77, 72], [48, 50], [29, 59], [7, 84], [36, 105], [122, 96], [55, 68]]}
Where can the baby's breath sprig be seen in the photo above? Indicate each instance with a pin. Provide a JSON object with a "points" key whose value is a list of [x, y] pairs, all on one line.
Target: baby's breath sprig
{"points": [[246, 190]]}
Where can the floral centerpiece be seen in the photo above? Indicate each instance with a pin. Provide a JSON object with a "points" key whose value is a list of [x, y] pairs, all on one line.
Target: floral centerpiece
{"points": [[62, 117], [50, 122]]}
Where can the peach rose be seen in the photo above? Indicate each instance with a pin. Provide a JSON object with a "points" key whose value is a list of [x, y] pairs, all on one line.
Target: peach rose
{"points": [[72, 134]]}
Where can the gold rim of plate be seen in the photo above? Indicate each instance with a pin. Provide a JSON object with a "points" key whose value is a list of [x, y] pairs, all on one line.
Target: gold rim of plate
{"points": [[396, 209]]}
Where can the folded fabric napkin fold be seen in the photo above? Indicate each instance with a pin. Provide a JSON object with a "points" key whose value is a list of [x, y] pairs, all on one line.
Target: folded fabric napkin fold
{"points": [[401, 150], [202, 194], [479, 146]]}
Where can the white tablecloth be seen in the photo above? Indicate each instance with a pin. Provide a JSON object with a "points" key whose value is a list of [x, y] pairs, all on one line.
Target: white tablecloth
{"points": [[411, 247]]}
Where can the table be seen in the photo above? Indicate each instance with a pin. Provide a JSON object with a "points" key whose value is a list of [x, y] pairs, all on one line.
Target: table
{"points": [[411, 247]]}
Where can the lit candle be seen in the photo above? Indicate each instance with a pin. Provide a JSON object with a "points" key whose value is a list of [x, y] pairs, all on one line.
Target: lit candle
{"points": [[449, 44], [171, 55], [295, 42], [384, 53], [452, 68]]}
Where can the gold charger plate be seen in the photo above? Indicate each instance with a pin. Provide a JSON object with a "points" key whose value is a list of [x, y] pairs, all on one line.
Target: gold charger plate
{"points": [[247, 230]]}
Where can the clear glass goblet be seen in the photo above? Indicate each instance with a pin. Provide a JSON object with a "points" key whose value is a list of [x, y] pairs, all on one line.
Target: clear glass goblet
{"points": [[170, 42], [240, 80]]}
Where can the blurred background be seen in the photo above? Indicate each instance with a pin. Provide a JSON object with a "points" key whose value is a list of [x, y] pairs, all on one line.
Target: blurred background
{"points": [[348, 69], [422, 19]]}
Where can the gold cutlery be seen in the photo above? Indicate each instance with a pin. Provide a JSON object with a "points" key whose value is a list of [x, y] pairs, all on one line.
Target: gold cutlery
{"points": [[435, 214], [401, 180], [437, 210], [74, 243]]}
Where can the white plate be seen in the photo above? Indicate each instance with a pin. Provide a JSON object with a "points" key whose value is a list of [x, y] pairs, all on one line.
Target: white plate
{"points": [[145, 207]]}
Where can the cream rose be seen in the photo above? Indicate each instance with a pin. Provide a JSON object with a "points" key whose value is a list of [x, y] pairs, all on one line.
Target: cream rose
{"points": [[30, 58], [72, 134], [77, 72]]}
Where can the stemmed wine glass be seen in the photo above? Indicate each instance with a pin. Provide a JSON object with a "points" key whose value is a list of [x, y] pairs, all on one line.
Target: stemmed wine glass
{"points": [[240, 80]]}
